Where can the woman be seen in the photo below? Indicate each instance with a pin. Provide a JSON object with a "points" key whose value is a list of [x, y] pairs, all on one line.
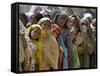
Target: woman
{"points": [[50, 47], [74, 23], [35, 36], [76, 62], [60, 19], [89, 43]]}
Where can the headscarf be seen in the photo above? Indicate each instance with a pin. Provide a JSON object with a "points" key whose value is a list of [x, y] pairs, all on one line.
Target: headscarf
{"points": [[45, 33], [42, 20]]}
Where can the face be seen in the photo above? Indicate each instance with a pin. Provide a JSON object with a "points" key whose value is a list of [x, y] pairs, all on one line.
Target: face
{"points": [[61, 20], [35, 34], [46, 25], [55, 33], [72, 22]]}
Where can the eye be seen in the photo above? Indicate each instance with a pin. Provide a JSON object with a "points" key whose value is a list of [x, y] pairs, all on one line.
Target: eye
{"points": [[35, 31]]}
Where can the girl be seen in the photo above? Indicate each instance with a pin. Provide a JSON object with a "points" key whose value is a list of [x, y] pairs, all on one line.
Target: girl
{"points": [[35, 36], [50, 47]]}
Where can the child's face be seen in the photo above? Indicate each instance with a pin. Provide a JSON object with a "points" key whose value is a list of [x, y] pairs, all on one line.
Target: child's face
{"points": [[36, 32], [46, 25], [61, 20]]}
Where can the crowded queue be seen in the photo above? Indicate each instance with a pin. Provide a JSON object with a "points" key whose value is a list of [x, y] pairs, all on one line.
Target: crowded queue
{"points": [[56, 41]]}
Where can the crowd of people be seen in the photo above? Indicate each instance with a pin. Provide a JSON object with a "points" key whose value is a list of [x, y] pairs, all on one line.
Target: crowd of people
{"points": [[53, 39]]}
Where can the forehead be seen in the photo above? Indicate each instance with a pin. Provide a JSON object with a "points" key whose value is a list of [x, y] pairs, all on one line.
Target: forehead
{"points": [[72, 18], [64, 16], [37, 29], [46, 22]]}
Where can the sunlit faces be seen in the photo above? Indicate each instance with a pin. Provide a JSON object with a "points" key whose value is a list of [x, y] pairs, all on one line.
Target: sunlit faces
{"points": [[61, 20], [35, 34], [46, 25]]}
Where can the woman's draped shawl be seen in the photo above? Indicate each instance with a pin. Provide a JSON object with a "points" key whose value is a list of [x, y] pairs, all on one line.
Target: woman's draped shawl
{"points": [[69, 45], [76, 62], [50, 51], [65, 53]]}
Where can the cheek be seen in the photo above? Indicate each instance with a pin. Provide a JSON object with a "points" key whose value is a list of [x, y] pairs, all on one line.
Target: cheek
{"points": [[69, 26], [55, 34], [32, 34], [37, 35]]}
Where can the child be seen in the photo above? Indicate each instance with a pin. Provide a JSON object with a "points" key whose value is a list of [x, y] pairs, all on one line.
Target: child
{"points": [[35, 36], [50, 47]]}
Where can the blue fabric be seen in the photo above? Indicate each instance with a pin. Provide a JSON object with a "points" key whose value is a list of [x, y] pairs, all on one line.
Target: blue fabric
{"points": [[66, 36], [65, 54]]}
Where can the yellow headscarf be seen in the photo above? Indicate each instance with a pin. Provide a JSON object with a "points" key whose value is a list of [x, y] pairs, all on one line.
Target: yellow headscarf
{"points": [[39, 47]]}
